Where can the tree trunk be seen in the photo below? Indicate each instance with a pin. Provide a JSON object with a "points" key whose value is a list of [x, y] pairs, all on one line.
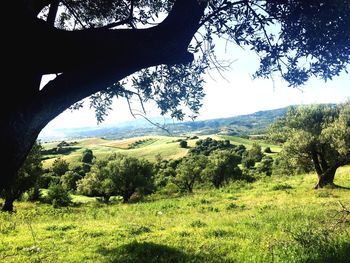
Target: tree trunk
{"points": [[326, 178], [106, 199], [8, 205]]}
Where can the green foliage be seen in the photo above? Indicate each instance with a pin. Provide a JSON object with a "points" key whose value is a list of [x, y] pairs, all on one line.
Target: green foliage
{"points": [[58, 196], [281, 186], [118, 175], [34, 194], [248, 162], [265, 166], [189, 172], [87, 156], [183, 144], [46, 179], [69, 180], [255, 152], [131, 175], [97, 182], [222, 167], [208, 145], [317, 134], [267, 150], [60, 167], [27, 177]]}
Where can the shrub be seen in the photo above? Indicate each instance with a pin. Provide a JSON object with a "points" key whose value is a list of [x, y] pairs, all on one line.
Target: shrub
{"points": [[267, 150], [69, 180], [34, 194], [183, 144], [87, 156], [46, 179], [248, 162], [58, 196], [60, 167]]}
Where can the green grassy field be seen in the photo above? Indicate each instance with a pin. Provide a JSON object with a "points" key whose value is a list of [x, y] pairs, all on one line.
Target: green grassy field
{"points": [[167, 147], [271, 220]]}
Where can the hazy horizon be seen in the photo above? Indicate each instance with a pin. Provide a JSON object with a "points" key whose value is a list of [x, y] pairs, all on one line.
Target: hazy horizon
{"points": [[234, 94]]}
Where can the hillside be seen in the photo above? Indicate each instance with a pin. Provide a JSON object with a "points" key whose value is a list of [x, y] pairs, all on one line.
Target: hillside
{"points": [[250, 124], [274, 220], [148, 147]]}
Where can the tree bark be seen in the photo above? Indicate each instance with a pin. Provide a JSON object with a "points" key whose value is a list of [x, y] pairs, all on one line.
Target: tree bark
{"points": [[8, 205], [326, 178]]}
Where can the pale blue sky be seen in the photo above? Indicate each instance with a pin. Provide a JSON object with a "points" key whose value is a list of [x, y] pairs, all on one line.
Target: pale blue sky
{"points": [[237, 94]]}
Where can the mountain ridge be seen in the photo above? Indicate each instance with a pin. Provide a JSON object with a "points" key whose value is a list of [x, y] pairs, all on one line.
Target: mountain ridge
{"points": [[247, 124]]}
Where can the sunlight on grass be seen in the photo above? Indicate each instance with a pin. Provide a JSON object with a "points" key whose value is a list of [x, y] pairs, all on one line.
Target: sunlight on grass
{"points": [[241, 222]]}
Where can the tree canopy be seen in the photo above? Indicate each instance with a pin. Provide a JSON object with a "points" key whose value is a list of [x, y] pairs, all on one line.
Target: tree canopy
{"points": [[319, 134], [124, 48]]}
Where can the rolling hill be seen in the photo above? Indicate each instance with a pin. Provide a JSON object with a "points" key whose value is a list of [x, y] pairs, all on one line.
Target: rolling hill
{"points": [[250, 124]]}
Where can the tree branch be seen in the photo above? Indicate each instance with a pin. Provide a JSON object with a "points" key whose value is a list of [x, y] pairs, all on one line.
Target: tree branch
{"points": [[93, 65], [51, 17]]}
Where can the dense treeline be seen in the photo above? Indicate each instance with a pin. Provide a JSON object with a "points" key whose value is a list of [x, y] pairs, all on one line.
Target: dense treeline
{"points": [[211, 163]]}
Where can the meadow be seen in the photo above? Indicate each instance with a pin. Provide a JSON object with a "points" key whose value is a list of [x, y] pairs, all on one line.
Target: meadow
{"points": [[276, 219], [167, 147]]}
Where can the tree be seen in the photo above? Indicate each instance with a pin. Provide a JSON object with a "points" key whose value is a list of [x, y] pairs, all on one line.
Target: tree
{"points": [[58, 196], [98, 182], [189, 172], [69, 180], [27, 178], [60, 167], [265, 165], [319, 134], [87, 156], [183, 144], [248, 162], [131, 175], [117, 175], [222, 167], [255, 152], [93, 45]]}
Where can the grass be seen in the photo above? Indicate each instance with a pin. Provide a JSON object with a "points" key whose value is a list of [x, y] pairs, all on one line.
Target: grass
{"points": [[242, 222], [167, 147]]}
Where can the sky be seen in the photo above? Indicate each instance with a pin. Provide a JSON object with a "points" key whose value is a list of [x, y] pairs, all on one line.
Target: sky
{"points": [[234, 94]]}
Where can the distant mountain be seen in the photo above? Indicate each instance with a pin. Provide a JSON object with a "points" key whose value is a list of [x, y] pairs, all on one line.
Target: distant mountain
{"points": [[249, 124]]}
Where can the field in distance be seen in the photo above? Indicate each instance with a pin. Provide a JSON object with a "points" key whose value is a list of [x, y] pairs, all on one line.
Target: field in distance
{"points": [[148, 147]]}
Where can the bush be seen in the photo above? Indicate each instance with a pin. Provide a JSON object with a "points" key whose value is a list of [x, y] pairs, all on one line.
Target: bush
{"points": [[58, 196], [183, 144], [87, 156], [46, 179], [267, 150], [135, 197], [33, 194], [69, 180], [248, 162], [60, 167]]}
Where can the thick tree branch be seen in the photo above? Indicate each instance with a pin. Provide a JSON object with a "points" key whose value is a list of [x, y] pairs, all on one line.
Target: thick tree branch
{"points": [[122, 53], [51, 17], [80, 48]]}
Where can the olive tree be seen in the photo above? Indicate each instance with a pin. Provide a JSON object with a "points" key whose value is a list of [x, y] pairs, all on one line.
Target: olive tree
{"points": [[93, 46], [316, 133], [118, 175]]}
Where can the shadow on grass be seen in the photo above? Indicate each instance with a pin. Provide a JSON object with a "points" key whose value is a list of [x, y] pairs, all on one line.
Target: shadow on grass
{"points": [[338, 254], [149, 252]]}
